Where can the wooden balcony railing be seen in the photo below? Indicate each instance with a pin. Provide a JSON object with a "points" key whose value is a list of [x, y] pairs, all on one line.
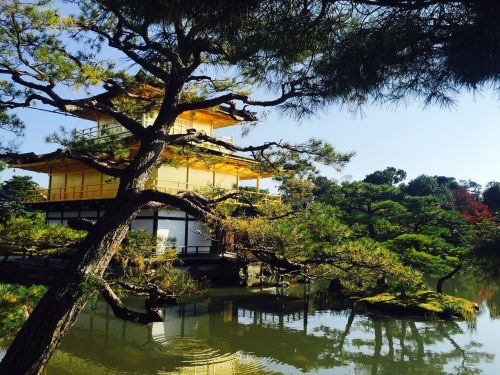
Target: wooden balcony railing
{"points": [[107, 131], [109, 190]]}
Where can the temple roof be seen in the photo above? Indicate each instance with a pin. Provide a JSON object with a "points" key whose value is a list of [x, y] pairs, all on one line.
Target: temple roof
{"points": [[218, 117], [245, 168]]}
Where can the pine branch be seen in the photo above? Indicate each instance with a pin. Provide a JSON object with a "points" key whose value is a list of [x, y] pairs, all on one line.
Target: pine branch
{"points": [[153, 312], [80, 224], [87, 159], [245, 99], [94, 163], [185, 201]]}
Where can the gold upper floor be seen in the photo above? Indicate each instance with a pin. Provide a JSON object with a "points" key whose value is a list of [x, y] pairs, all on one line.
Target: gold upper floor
{"points": [[90, 185], [204, 121], [72, 180]]}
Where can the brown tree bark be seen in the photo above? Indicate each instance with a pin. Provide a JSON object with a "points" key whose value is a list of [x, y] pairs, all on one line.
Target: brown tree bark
{"points": [[152, 304]]}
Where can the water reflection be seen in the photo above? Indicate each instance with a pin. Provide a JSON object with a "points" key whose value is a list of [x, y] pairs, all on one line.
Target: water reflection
{"points": [[244, 332]]}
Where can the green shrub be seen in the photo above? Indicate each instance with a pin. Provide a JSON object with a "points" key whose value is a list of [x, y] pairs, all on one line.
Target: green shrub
{"points": [[16, 304]]}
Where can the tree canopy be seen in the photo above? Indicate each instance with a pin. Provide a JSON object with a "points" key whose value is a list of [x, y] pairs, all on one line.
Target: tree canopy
{"points": [[388, 176], [295, 55], [491, 196], [13, 193], [433, 223]]}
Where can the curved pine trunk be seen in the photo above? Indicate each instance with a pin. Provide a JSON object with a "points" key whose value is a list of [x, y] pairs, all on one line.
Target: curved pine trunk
{"points": [[58, 309], [440, 282]]}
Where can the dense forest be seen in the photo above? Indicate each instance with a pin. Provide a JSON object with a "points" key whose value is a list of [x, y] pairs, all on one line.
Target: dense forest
{"points": [[383, 230]]}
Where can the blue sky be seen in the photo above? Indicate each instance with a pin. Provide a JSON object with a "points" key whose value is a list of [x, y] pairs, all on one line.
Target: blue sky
{"points": [[461, 142]]}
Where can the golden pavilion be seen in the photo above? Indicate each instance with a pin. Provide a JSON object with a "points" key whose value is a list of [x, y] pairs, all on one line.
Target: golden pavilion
{"points": [[78, 191]]}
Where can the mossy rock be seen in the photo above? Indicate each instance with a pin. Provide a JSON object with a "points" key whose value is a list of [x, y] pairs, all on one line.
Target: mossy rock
{"points": [[425, 303]]}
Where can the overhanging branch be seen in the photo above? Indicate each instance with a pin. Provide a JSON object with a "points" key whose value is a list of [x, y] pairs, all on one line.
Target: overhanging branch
{"points": [[161, 295], [29, 157], [185, 201], [95, 163], [199, 138], [87, 159], [80, 224], [280, 264], [152, 314], [231, 97], [189, 201]]}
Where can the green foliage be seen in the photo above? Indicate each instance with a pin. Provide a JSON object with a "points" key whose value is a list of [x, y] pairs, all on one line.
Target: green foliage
{"points": [[16, 304], [320, 228], [296, 192], [175, 281], [422, 186], [18, 234], [138, 250], [491, 196], [315, 52], [362, 265], [138, 243], [369, 209], [142, 266], [316, 236], [11, 129], [433, 223], [430, 254], [420, 213], [109, 144], [306, 54], [437, 186], [388, 176], [13, 194]]}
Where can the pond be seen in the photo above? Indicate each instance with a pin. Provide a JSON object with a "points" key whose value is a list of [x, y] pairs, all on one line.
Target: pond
{"points": [[265, 331]]}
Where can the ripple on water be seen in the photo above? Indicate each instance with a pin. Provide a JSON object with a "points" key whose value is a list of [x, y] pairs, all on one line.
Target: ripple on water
{"points": [[195, 355]]}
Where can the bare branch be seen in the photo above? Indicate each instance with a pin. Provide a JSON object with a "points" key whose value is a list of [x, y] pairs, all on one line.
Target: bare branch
{"points": [[278, 263], [245, 99], [185, 201], [94, 163], [80, 224], [200, 138], [127, 48], [196, 137], [142, 31], [29, 157], [87, 159], [189, 201], [153, 313], [234, 195], [150, 288]]}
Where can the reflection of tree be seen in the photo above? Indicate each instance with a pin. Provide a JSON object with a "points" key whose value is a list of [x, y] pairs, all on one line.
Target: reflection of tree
{"points": [[403, 346], [274, 327]]}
